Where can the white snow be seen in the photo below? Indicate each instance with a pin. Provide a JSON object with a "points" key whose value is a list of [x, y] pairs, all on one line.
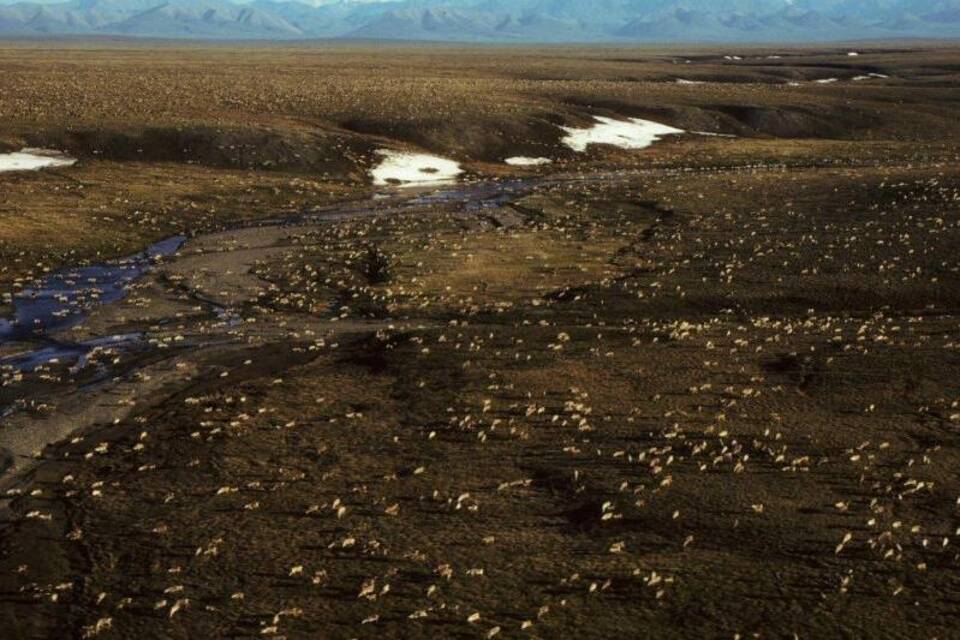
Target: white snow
{"points": [[853, 54], [826, 81], [684, 81], [33, 159], [871, 76], [414, 169], [711, 134], [521, 161], [632, 134]]}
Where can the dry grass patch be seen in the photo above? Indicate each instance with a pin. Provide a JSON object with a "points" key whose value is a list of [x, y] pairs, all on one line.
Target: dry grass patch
{"points": [[496, 267]]}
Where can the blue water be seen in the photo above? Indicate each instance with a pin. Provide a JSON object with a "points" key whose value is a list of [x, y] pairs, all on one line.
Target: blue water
{"points": [[64, 300]]}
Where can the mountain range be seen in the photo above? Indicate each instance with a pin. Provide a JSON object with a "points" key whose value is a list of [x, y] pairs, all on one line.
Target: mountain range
{"points": [[503, 21]]}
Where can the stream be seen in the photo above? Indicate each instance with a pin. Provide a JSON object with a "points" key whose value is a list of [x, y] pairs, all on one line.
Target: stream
{"points": [[64, 299], [43, 314]]}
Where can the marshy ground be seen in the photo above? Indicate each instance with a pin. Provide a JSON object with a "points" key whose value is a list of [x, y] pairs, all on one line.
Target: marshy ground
{"points": [[708, 389]]}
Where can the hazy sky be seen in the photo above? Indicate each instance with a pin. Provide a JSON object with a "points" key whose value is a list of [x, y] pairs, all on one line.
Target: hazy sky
{"points": [[310, 2]]}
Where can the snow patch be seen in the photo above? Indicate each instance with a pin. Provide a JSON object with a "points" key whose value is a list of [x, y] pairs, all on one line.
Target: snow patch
{"points": [[33, 159], [712, 134], [521, 161], [632, 134], [414, 169]]}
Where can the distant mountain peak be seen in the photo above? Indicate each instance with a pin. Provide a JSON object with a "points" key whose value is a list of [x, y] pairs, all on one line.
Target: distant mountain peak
{"points": [[490, 20]]}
